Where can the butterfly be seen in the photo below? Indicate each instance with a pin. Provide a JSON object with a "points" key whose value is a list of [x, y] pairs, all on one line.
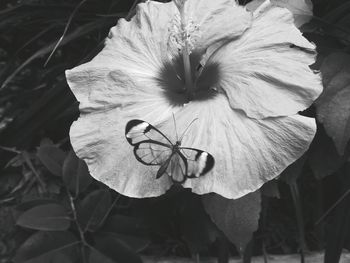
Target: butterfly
{"points": [[152, 147]]}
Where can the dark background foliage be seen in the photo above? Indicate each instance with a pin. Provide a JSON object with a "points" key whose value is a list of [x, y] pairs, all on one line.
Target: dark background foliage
{"points": [[50, 207]]}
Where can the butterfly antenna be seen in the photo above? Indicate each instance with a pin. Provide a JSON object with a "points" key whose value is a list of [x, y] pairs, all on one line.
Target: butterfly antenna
{"points": [[177, 136], [189, 125]]}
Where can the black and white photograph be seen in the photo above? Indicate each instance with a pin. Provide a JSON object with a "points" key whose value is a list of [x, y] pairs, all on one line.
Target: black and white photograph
{"points": [[174, 131]]}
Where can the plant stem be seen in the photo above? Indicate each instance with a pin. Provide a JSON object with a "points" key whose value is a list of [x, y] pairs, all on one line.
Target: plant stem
{"points": [[81, 232], [223, 252], [300, 222]]}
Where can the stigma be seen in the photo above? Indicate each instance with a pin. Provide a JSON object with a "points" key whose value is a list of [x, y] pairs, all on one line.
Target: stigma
{"points": [[183, 36]]}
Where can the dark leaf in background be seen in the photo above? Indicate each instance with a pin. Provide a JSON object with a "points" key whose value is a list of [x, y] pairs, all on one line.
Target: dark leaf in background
{"points": [[238, 218], [338, 225], [290, 176], [130, 230], [344, 23], [97, 256], [125, 225], [52, 158], [338, 19], [94, 209], [30, 204], [47, 217], [196, 227], [75, 174], [323, 156], [270, 189], [293, 171], [135, 243], [111, 249], [45, 247], [333, 106]]}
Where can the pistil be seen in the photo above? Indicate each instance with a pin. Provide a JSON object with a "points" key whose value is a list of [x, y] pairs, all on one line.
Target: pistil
{"points": [[186, 51]]}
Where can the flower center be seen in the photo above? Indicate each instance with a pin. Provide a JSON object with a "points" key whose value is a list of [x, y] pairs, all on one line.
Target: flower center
{"points": [[183, 35]]}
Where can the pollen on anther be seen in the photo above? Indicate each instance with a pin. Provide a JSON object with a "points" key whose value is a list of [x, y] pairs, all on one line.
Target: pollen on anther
{"points": [[180, 36]]}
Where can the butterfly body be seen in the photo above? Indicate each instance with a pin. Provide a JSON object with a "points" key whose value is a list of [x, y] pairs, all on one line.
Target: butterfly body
{"points": [[152, 147]]}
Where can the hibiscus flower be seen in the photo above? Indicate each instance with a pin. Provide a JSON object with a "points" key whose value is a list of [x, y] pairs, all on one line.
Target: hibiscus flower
{"points": [[243, 75]]}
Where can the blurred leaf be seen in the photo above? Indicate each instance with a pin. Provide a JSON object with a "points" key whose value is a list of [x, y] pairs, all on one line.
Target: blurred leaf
{"points": [[65, 31], [79, 32], [270, 189], [333, 107], [94, 208], [97, 256], [196, 227], [290, 176], [293, 186], [135, 243], [323, 156], [47, 217], [125, 225], [338, 226], [110, 249], [42, 111], [130, 230], [75, 174], [293, 171], [52, 157], [44, 247], [338, 12], [22, 207], [238, 219]]}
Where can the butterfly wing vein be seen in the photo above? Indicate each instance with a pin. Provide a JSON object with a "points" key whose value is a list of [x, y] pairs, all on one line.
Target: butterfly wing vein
{"points": [[152, 147]]}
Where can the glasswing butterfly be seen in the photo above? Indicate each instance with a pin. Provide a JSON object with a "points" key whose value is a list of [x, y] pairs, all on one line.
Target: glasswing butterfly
{"points": [[152, 147]]}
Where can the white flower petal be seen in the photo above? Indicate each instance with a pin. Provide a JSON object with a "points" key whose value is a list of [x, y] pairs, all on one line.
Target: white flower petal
{"points": [[247, 152], [99, 139], [301, 9], [265, 73], [133, 56], [136, 77], [218, 21]]}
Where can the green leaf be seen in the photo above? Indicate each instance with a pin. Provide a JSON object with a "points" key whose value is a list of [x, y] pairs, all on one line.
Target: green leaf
{"points": [[94, 209], [44, 247], [237, 219], [75, 174], [111, 249], [333, 107], [52, 157], [47, 217]]}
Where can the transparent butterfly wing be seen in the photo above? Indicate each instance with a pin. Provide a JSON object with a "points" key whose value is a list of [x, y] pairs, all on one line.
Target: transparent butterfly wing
{"points": [[172, 163], [198, 162], [152, 147], [152, 153], [177, 168], [137, 131]]}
